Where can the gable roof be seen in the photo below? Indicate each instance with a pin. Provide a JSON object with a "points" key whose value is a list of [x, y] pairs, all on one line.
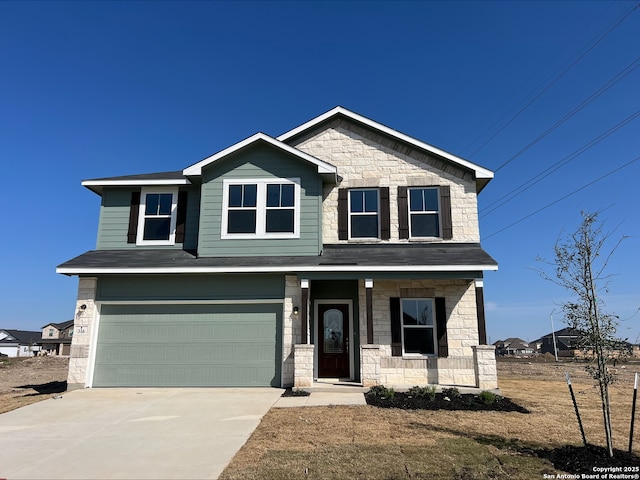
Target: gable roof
{"points": [[60, 326], [482, 175], [324, 168], [23, 337]]}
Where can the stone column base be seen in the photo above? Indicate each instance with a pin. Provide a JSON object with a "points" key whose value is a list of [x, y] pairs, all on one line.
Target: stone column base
{"points": [[484, 362], [303, 365], [370, 365]]}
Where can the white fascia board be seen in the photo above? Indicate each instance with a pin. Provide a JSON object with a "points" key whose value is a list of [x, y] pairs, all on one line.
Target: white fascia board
{"points": [[479, 171], [279, 269], [137, 183], [323, 167]]}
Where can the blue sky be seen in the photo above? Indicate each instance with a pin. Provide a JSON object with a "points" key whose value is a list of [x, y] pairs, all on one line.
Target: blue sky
{"points": [[96, 89]]}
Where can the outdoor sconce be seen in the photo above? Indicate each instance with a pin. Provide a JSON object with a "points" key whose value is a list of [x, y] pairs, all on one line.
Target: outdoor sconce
{"points": [[296, 310], [83, 307]]}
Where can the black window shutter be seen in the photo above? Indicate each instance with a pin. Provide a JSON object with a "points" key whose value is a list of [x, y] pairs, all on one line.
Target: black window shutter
{"points": [[182, 215], [134, 212], [403, 213], [441, 327], [396, 327], [385, 217], [343, 214], [445, 212]]}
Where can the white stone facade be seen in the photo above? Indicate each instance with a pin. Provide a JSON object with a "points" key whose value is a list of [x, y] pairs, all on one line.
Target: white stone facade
{"points": [[356, 151], [86, 312]]}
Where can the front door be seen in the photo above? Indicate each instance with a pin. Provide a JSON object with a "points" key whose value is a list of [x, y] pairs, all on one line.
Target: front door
{"points": [[333, 340]]}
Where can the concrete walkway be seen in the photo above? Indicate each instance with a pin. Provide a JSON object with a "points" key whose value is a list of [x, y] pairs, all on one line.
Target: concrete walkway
{"points": [[131, 433]]}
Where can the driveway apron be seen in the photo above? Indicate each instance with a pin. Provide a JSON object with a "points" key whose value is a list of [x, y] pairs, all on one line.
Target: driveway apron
{"points": [[150, 433]]}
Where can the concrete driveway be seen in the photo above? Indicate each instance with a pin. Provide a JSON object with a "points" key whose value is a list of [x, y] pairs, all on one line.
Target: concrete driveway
{"points": [[149, 433]]}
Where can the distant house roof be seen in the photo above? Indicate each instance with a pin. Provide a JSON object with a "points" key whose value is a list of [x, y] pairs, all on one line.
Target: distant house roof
{"points": [[60, 326], [23, 337]]}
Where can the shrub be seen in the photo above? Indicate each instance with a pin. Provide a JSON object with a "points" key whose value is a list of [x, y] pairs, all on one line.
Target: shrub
{"points": [[382, 391], [452, 392], [298, 392], [488, 398], [420, 392]]}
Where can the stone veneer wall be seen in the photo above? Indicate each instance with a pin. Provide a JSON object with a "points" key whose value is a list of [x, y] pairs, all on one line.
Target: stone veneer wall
{"points": [[462, 333], [292, 328], [365, 159], [83, 330]]}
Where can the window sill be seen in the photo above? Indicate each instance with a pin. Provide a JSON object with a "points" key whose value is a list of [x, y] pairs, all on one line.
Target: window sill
{"points": [[251, 236]]}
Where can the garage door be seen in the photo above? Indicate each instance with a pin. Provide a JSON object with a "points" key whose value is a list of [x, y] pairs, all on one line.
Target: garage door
{"points": [[188, 345]]}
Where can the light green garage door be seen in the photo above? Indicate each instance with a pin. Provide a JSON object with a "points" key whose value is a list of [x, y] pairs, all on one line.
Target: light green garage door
{"points": [[188, 345]]}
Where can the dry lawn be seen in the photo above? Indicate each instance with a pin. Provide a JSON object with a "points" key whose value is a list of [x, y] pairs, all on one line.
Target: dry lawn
{"points": [[372, 443]]}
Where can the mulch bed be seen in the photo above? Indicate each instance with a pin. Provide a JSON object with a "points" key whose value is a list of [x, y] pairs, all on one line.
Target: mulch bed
{"points": [[579, 460], [467, 401]]}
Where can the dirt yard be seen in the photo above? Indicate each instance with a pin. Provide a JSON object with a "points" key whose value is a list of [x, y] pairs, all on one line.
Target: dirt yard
{"points": [[28, 380]]}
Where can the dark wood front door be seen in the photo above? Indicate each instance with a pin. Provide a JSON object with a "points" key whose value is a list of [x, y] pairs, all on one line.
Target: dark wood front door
{"points": [[333, 340]]}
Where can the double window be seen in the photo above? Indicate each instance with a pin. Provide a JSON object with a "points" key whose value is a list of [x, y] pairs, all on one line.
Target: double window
{"points": [[157, 217], [261, 208], [418, 326]]}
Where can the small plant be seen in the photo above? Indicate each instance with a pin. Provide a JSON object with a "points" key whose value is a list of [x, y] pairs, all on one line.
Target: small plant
{"points": [[298, 392], [488, 398], [421, 392], [451, 393], [382, 391]]}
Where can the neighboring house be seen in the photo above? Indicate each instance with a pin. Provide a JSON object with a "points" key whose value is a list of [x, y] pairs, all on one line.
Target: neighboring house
{"points": [[56, 338], [513, 346], [19, 343], [341, 249], [566, 342]]}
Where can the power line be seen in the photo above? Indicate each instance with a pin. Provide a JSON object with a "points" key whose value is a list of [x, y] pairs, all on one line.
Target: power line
{"points": [[564, 197], [595, 43], [623, 73], [545, 173]]}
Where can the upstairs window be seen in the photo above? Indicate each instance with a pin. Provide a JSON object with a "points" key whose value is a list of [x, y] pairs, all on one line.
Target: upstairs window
{"points": [[261, 208], [424, 216], [158, 211], [363, 213]]}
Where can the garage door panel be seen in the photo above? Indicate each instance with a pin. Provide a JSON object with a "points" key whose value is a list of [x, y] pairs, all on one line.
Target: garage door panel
{"points": [[188, 345]]}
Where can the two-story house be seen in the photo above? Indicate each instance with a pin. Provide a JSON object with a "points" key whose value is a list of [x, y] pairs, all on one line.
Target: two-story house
{"points": [[340, 250], [56, 338]]}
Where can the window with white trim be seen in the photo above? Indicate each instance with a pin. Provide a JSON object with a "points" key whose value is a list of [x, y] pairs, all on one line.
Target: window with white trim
{"points": [[418, 326], [158, 216], [364, 212], [262, 208], [424, 212]]}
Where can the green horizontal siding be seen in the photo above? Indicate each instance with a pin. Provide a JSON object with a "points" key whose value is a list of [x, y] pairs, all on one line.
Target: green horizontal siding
{"points": [[114, 220], [260, 162], [190, 287], [188, 345]]}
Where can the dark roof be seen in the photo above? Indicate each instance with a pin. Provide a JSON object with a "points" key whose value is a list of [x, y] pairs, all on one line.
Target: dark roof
{"points": [[441, 257], [23, 337], [60, 326]]}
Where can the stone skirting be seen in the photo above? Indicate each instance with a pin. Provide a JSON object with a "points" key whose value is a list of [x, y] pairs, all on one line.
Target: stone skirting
{"points": [[484, 360], [303, 365]]}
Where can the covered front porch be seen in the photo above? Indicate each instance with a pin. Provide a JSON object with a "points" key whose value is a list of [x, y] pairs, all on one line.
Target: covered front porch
{"points": [[353, 331]]}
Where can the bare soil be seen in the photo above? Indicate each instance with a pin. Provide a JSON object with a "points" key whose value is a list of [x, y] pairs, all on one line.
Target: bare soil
{"points": [[28, 380]]}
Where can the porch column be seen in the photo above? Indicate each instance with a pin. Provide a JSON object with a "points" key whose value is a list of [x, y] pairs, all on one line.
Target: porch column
{"points": [[368, 285], [482, 326], [304, 311]]}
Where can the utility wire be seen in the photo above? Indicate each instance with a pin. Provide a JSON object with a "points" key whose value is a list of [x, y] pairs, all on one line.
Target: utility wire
{"points": [[507, 100], [531, 182], [564, 197], [555, 80], [623, 73]]}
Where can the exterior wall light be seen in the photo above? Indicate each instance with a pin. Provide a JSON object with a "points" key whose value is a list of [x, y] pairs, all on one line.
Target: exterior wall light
{"points": [[296, 310]]}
